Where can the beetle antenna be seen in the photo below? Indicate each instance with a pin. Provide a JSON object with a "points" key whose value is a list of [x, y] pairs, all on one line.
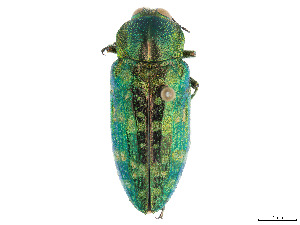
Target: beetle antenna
{"points": [[183, 28]]}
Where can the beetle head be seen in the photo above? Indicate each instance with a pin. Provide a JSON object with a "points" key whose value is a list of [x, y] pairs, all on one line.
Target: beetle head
{"points": [[155, 12]]}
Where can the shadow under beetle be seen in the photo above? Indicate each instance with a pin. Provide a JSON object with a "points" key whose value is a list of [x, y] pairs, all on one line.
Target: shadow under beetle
{"points": [[150, 107]]}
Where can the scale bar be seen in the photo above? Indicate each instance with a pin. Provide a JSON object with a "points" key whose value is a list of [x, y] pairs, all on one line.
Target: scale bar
{"points": [[277, 220]]}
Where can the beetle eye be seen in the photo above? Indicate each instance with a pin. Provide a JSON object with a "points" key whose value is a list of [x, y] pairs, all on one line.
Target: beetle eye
{"points": [[137, 11], [164, 12], [168, 94]]}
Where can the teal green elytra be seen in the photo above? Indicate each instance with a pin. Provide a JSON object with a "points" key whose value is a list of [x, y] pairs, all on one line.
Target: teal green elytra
{"points": [[150, 107]]}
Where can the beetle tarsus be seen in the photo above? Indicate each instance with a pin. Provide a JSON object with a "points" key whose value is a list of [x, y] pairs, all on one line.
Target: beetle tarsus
{"points": [[109, 48], [189, 53], [194, 84], [161, 214]]}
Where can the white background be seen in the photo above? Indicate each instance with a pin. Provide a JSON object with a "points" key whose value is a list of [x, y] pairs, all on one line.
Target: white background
{"points": [[56, 161]]}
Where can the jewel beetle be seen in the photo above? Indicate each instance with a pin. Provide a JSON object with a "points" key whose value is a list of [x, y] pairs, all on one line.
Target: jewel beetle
{"points": [[150, 107]]}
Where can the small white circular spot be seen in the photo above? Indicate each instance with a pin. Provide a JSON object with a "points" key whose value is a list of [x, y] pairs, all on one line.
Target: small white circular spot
{"points": [[167, 94]]}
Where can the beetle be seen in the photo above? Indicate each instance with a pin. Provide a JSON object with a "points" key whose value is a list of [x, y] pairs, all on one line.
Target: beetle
{"points": [[150, 107]]}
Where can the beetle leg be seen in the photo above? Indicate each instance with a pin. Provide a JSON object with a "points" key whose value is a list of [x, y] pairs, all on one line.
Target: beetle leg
{"points": [[194, 84], [110, 48], [161, 213], [188, 53]]}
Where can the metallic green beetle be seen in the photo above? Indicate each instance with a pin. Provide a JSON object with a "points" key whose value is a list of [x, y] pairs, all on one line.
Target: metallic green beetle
{"points": [[150, 107]]}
